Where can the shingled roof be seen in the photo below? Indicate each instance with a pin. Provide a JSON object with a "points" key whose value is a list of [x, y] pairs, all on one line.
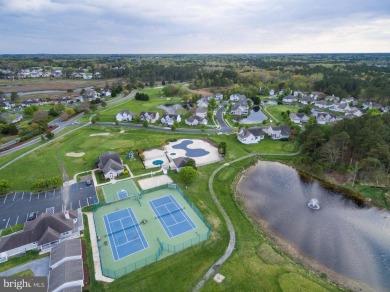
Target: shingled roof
{"points": [[44, 229], [110, 161], [67, 272], [67, 248]]}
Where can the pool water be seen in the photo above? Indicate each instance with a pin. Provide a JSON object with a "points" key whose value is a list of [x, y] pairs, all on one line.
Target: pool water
{"points": [[173, 153], [157, 162]]}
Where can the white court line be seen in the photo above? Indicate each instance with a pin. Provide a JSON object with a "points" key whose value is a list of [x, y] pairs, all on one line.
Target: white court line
{"points": [[123, 229], [16, 223], [177, 223], [139, 236], [14, 197], [130, 241], [30, 197], [112, 247], [5, 199], [7, 222], [161, 221], [192, 224]]}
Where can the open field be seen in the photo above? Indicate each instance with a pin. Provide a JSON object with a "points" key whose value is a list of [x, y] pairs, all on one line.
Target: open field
{"points": [[276, 110], [36, 84], [47, 159]]}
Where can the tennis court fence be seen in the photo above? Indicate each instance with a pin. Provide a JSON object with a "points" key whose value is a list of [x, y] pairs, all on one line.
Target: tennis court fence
{"points": [[163, 246]]}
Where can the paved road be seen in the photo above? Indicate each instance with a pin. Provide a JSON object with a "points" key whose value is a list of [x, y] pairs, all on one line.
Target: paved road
{"points": [[15, 207], [39, 267], [221, 121]]}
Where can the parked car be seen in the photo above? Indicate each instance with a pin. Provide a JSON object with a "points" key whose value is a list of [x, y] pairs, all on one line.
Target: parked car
{"points": [[32, 216]]}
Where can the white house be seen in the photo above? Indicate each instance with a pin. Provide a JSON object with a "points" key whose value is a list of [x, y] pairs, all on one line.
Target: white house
{"points": [[150, 117], [326, 118], [323, 104], [124, 115], [110, 164], [306, 99], [278, 132], [342, 107], [196, 120], [332, 98], [250, 135], [298, 118], [237, 97], [271, 92], [353, 111], [168, 120], [201, 112], [289, 99], [218, 96], [240, 107]]}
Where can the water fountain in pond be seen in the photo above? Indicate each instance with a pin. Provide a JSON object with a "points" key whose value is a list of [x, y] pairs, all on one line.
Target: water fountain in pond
{"points": [[314, 204]]}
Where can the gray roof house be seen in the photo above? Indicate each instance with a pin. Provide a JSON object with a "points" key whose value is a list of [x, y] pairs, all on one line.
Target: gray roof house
{"points": [[46, 231], [250, 135], [68, 274], [278, 132], [298, 118], [124, 115], [150, 117], [110, 164], [240, 107], [66, 267], [196, 120]]}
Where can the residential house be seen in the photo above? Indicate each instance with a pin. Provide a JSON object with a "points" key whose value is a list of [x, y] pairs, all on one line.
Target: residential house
{"points": [[150, 117], [371, 104], [278, 132], [298, 93], [201, 112], [110, 164], [201, 103], [106, 92], [11, 118], [299, 118], [271, 92], [31, 102], [5, 104], [196, 120], [289, 99], [350, 100], [66, 267], [306, 99], [124, 115], [218, 96], [323, 104], [168, 120], [87, 76], [342, 107], [326, 118], [353, 111], [250, 135], [332, 98], [236, 97], [240, 107], [91, 95], [63, 100], [46, 231]]}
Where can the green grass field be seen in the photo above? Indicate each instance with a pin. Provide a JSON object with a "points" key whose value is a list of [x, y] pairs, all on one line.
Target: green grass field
{"points": [[276, 110], [110, 191]]}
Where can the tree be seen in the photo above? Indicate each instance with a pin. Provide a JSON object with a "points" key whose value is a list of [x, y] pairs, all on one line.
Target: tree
{"points": [[49, 135], [29, 110], [5, 186], [187, 174], [83, 91], [191, 162], [40, 115], [222, 148], [256, 100], [145, 124], [142, 96], [14, 96], [64, 116], [70, 92], [70, 111], [104, 104], [173, 127]]}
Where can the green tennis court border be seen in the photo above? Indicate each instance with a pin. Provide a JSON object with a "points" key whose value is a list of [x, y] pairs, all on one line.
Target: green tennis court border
{"points": [[160, 245], [110, 191]]}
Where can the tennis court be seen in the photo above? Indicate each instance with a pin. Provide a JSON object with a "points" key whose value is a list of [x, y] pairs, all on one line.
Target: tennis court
{"points": [[124, 233], [120, 190], [132, 233], [171, 215]]}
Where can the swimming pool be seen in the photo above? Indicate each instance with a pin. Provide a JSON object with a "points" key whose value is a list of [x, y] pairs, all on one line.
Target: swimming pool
{"points": [[157, 162], [190, 152]]}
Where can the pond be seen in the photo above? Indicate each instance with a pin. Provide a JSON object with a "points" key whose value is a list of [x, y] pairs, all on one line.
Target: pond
{"points": [[256, 116], [351, 241]]}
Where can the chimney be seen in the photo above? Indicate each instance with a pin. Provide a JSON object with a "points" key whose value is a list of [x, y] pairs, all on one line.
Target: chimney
{"points": [[66, 213]]}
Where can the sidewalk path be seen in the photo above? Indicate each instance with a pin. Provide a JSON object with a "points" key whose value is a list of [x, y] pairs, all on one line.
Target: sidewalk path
{"points": [[39, 267]]}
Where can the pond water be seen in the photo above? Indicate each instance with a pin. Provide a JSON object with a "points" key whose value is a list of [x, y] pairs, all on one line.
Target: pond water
{"points": [[352, 241], [256, 116]]}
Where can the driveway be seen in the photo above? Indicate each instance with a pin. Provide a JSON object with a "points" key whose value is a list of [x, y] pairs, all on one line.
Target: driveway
{"points": [[15, 207], [39, 267]]}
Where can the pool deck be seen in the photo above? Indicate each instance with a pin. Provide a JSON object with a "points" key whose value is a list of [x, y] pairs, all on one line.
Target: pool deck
{"points": [[155, 181]]}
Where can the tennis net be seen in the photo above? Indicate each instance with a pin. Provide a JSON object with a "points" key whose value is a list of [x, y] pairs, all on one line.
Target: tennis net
{"points": [[169, 213]]}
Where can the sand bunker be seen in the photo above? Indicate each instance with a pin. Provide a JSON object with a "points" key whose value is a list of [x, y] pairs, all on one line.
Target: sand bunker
{"points": [[122, 131], [75, 154], [100, 134]]}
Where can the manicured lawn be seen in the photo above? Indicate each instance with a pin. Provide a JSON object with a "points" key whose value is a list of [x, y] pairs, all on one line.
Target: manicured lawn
{"points": [[11, 229], [277, 110], [26, 273]]}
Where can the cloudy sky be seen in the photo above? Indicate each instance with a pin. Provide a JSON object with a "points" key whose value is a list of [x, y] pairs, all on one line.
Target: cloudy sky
{"points": [[196, 26]]}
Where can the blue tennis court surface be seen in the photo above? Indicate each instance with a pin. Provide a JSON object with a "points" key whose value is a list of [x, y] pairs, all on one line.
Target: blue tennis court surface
{"points": [[124, 233], [171, 215], [122, 194]]}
